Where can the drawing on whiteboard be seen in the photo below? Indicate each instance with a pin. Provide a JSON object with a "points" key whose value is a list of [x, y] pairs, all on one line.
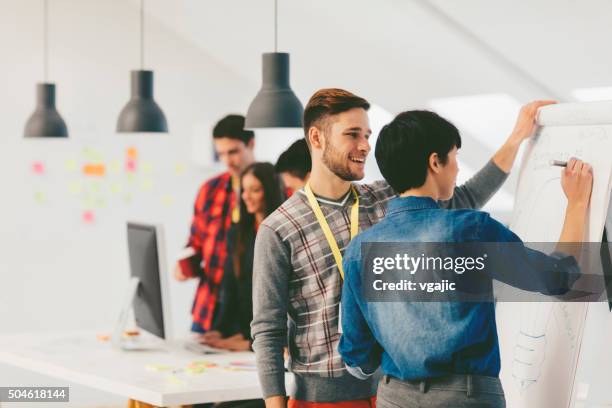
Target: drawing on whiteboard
{"points": [[530, 347], [530, 350]]}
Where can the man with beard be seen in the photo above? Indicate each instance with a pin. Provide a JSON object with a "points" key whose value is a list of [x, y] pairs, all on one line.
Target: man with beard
{"points": [[297, 275]]}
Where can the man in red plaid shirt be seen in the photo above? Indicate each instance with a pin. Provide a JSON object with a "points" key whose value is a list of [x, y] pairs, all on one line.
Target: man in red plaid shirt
{"points": [[215, 208]]}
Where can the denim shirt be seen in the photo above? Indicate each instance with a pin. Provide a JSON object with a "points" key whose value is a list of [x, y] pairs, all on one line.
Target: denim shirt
{"points": [[419, 340]]}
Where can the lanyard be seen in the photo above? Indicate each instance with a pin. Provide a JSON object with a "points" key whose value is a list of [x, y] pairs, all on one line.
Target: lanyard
{"points": [[333, 244]]}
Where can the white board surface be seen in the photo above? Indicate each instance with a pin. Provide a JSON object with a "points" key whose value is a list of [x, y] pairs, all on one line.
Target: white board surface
{"points": [[541, 343]]}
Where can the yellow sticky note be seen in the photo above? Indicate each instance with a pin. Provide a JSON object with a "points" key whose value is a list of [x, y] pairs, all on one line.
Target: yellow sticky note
{"points": [[39, 197], [147, 167], [179, 168], [75, 187], [167, 201], [116, 188], [114, 166], [71, 165], [146, 184]]}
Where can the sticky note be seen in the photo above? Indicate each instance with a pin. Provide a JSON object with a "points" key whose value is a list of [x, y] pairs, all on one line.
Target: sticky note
{"points": [[75, 187], [179, 168], [195, 370], [147, 168], [94, 169], [38, 168], [174, 379], [146, 184], [114, 166], [116, 188], [132, 153], [167, 200], [100, 202], [71, 165], [158, 367], [88, 217], [39, 197], [130, 165]]}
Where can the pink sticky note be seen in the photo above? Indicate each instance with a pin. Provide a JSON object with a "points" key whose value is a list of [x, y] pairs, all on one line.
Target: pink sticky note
{"points": [[88, 217], [38, 167], [130, 165]]}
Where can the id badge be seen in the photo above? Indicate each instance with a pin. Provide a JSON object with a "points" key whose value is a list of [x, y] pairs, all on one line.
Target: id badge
{"points": [[340, 319]]}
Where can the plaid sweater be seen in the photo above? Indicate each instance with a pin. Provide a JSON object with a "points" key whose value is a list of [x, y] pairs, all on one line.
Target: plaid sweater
{"points": [[297, 287], [212, 219]]}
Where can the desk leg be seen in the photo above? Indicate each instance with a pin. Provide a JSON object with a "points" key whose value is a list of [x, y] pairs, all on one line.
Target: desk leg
{"points": [[138, 404]]}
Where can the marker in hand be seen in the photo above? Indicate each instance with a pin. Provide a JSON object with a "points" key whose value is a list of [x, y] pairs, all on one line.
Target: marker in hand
{"points": [[559, 163]]}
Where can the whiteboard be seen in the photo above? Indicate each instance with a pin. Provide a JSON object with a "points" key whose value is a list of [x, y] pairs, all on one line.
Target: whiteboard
{"points": [[541, 343]]}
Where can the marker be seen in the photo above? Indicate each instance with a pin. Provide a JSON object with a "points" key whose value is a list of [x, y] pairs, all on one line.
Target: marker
{"points": [[559, 163]]}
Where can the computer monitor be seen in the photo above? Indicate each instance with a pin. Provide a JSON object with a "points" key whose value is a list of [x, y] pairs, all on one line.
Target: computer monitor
{"points": [[148, 295]]}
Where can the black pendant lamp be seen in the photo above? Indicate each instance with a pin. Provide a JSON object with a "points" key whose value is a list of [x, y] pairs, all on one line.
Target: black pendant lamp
{"points": [[275, 105], [142, 113], [46, 120]]}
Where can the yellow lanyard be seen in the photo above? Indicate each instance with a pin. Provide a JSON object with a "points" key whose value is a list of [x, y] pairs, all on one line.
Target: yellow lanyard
{"points": [[333, 244], [236, 203]]}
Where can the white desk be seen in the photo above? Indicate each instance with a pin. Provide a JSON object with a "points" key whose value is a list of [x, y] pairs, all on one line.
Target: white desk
{"points": [[80, 358]]}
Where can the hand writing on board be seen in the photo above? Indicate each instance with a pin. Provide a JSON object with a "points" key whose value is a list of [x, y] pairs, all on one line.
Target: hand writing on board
{"points": [[577, 182], [526, 121]]}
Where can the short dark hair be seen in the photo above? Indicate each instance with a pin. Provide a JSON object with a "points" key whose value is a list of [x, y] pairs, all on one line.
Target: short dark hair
{"points": [[328, 102], [295, 160], [232, 126], [404, 146]]}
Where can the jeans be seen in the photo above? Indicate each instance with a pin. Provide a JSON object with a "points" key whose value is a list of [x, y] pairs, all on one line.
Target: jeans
{"points": [[456, 391]]}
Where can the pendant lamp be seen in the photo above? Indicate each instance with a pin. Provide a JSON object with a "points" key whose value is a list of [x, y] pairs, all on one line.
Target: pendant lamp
{"points": [[142, 113], [275, 105], [46, 120]]}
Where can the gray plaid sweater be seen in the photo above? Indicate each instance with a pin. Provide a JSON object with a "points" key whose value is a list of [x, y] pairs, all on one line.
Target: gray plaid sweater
{"points": [[297, 287]]}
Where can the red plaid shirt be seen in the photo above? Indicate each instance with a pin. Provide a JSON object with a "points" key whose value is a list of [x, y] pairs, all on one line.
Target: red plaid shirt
{"points": [[211, 221]]}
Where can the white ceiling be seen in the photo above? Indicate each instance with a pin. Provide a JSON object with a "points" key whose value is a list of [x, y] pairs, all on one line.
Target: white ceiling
{"points": [[400, 53]]}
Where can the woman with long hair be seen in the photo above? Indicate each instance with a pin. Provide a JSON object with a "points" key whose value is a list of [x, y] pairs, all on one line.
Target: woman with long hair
{"points": [[261, 194]]}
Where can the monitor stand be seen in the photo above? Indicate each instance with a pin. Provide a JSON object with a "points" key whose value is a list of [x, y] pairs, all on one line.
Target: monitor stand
{"points": [[137, 340]]}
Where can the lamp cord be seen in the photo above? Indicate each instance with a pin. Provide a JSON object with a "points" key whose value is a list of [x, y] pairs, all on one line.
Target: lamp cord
{"points": [[45, 41], [275, 25], [141, 35]]}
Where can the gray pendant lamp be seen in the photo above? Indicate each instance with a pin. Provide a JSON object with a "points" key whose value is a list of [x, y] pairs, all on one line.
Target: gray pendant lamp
{"points": [[275, 105], [142, 113], [46, 120]]}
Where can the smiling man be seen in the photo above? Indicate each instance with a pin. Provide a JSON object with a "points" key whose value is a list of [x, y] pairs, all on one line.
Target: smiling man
{"points": [[298, 252]]}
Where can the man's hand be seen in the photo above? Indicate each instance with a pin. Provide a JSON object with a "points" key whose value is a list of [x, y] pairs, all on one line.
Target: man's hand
{"points": [[209, 336], [276, 401], [577, 182], [526, 121], [523, 129], [236, 342], [178, 274]]}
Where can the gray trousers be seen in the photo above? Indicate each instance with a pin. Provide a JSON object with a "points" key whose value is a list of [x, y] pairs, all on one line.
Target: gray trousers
{"points": [[456, 391]]}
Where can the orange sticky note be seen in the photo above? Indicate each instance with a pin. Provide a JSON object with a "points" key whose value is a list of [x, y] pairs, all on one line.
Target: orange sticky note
{"points": [[132, 153], [92, 169]]}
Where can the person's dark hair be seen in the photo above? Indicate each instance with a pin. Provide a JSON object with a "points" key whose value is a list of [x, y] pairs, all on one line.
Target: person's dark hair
{"points": [[295, 160], [328, 102], [273, 197], [232, 126], [404, 146]]}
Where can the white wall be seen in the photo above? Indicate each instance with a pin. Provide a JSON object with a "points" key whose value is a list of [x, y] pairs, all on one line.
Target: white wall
{"points": [[57, 272]]}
